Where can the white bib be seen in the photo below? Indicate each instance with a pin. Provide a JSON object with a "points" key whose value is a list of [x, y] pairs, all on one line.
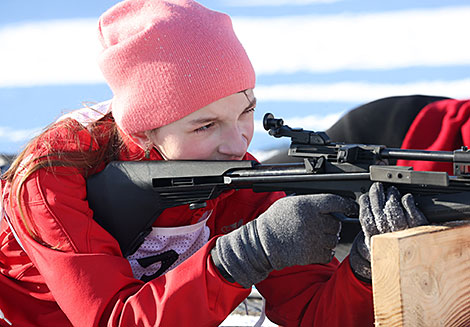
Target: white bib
{"points": [[88, 115], [166, 247]]}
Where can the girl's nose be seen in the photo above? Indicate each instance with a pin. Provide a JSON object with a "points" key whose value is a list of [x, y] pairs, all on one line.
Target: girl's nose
{"points": [[234, 143]]}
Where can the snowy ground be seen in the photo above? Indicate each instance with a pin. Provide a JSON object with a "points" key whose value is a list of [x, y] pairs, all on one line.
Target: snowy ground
{"points": [[248, 313], [240, 320]]}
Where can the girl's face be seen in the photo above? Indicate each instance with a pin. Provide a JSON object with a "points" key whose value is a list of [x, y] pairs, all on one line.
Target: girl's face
{"points": [[221, 130]]}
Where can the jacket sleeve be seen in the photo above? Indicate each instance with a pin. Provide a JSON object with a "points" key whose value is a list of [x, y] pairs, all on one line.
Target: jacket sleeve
{"points": [[318, 295], [83, 268]]}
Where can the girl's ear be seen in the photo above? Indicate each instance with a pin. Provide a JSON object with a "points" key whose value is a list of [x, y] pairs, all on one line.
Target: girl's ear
{"points": [[144, 142], [142, 139]]}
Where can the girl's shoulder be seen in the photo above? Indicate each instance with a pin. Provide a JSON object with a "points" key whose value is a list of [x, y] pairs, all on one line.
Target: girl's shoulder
{"points": [[67, 143], [81, 130]]}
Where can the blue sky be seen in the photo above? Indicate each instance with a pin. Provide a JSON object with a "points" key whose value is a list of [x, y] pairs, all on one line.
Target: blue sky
{"points": [[315, 59]]}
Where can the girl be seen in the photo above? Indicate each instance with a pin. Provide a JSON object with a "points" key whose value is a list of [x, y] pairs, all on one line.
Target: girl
{"points": [[183, 89]]}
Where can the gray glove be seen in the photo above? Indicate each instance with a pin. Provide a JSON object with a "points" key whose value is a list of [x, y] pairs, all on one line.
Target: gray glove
{"points": [[379, 213], [296, 230]]}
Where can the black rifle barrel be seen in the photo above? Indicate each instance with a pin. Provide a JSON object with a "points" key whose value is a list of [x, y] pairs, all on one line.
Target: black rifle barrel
{"points": [[240, 180], [443, 156]]}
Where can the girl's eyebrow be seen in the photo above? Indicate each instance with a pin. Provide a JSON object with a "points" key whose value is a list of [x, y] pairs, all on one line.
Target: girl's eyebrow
{"points": [[208, 119], [202, 120]]}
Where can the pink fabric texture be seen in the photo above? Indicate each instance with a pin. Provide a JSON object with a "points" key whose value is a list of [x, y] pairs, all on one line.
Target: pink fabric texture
{"points": [[166, 59]]}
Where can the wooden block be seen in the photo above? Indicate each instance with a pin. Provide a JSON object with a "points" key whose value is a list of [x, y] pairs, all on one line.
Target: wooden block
{"points": [[421, 277]]}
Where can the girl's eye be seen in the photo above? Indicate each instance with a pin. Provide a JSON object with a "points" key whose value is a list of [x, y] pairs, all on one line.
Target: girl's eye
{"points": [[249, 110], [203, 128]]}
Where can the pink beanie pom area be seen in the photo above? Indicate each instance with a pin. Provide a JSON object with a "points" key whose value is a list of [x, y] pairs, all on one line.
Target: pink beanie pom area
{"points": [[166, 59]]}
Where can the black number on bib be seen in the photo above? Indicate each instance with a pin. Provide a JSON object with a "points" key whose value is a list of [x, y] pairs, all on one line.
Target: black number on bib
{"points": [[166, 258]]}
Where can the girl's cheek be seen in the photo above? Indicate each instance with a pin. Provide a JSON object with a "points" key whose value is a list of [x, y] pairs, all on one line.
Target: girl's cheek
{"points": [[196, 150], [208, 149]]}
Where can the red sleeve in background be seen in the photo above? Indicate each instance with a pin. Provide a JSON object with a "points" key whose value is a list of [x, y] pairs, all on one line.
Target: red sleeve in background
{"points": [[439, 126]]}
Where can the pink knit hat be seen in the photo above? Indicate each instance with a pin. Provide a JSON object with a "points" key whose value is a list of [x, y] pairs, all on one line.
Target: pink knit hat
{"points": [[166, 59]]}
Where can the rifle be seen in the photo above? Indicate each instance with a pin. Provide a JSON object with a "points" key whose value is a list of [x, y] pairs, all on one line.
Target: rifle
{"points": [[127, 197]]}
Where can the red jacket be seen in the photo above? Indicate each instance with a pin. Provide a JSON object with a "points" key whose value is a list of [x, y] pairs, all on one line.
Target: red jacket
{"points": [[87, 282]]}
